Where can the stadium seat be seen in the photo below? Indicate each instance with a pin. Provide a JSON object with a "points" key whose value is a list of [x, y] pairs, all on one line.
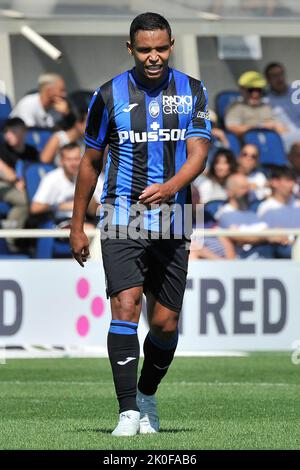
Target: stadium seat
{"points": [[50, 247], [33, 174], [211, 208], [38, 137], [234, 142], [4, 209], [5, 109], [222, 101], [269, 143]]}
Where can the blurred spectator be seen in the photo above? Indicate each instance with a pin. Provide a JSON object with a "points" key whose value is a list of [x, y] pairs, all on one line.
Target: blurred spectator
{"points": [[219, 138], [212, 186], [235, 215], [13, 194], [13, 146], [294, 160], [46, 107], [252, 111], [57, 188], [51, 151], [247, 165], [280, 95], [211, 247], [284, 217], [282, 183], [12, 188]]}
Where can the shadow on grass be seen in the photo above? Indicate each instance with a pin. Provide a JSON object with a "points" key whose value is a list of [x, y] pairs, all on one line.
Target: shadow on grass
{"points": [[108, 431]]}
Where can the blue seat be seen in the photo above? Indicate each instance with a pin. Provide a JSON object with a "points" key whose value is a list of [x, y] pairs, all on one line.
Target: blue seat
{"points": [[4, 209], [234, 142], [33, 174], [211, 208], [269, 143], [5, 109], [222, 101], [50, 247], [38, 137]]}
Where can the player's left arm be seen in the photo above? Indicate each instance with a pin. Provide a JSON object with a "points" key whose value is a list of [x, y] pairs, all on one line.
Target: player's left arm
{"points": [[198, 135]]}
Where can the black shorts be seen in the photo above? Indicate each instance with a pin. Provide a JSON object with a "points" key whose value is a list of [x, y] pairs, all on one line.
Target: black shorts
{"points": [[160, 266]]}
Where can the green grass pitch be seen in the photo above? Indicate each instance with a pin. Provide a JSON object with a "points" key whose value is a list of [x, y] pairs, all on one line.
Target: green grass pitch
{"points": [[204, 403]]}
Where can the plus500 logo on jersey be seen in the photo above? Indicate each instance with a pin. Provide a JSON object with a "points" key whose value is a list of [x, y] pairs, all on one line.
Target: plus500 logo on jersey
{"points": [[177, 104], [161, 135]]}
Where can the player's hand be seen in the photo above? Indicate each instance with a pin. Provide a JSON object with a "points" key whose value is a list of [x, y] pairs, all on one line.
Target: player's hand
{"points": [[156, 194], [79, 243]]}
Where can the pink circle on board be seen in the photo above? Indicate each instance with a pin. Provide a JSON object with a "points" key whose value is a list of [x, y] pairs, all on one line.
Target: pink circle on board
{"points": [[97, 307], [83, 288], [82, 325]]}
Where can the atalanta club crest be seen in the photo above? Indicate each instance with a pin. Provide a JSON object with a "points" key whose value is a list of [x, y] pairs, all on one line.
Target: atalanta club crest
{"points": [[154, 108]]}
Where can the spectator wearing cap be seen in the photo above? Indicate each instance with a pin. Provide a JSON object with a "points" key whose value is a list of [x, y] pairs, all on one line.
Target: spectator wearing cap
{"points": [[46, 107], [280, 96], [282, 183], [251, 111], [247, 163]]}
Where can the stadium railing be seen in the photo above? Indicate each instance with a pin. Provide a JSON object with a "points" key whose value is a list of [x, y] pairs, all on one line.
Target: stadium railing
{"points": [[95, 246]]}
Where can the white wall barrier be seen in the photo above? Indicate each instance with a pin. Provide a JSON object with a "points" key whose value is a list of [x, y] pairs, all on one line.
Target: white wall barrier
{"points": [[229, 305]]}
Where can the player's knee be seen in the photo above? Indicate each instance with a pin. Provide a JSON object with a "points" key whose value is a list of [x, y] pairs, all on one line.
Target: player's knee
{"points": [[126, 307], [162, 326]]}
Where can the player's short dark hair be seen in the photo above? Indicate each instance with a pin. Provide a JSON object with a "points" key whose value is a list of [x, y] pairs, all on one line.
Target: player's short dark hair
{"points": [[149, 22], [14, 122], [272, 65], [70, 146], [230, 158], [278, 172]]}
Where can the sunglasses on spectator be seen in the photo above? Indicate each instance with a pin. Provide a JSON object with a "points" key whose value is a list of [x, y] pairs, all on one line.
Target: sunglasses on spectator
{"points": [[252, 90], [251, 155]]}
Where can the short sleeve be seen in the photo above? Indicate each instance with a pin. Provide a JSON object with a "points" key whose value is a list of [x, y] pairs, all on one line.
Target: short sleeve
{"points": [[199, 125], [96, 132]]}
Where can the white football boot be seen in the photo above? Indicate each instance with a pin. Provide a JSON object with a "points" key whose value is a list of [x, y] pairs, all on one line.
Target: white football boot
{"points": [[149, 421], [129, 424]]}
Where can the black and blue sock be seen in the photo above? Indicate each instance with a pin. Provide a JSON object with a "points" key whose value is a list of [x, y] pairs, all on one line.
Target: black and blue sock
{"points": [[124, 352], [158, 357]]}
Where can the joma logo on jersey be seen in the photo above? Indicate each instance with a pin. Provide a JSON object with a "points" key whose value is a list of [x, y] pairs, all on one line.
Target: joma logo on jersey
{"points": [[161, 135], [177, 104]]}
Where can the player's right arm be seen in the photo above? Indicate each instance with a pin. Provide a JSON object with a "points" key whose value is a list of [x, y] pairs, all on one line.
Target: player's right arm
{"points": [[96, 135], [89, 170]]}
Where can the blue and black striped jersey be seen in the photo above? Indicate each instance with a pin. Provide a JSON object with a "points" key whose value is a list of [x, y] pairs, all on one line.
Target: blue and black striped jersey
{"points": [[146, 131]]}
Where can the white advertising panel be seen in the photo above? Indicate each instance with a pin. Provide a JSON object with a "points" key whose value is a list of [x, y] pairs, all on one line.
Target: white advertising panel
{"points": [[228, 305]]}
